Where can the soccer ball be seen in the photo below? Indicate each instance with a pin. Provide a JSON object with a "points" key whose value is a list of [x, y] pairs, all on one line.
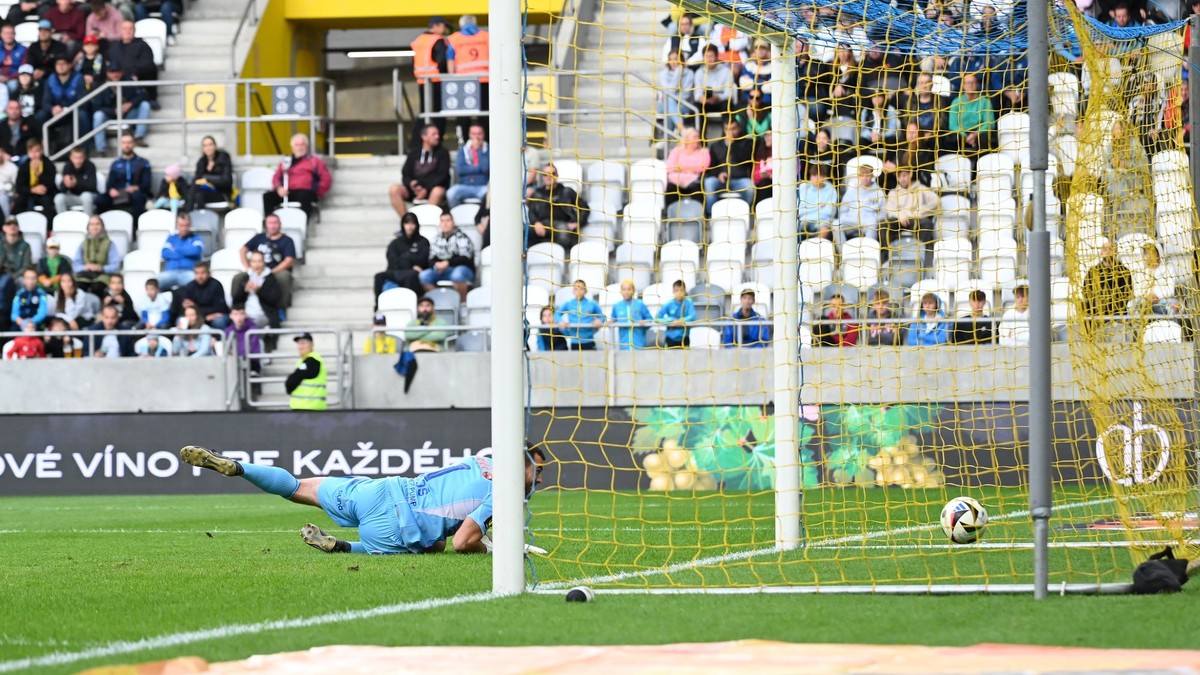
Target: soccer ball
{"points": [[963, 520]]}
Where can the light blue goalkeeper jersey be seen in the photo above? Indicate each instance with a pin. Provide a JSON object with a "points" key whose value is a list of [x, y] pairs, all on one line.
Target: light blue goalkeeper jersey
{"points": [[441, 500]]}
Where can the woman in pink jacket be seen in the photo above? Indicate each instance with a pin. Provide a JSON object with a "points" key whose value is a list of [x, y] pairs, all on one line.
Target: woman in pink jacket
{"points": [[686, 166]]}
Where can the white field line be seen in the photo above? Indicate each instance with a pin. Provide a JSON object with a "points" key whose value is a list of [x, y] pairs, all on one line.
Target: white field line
{"points": [[221, 632], [1000, 545], [827, 542], [144, 531]]}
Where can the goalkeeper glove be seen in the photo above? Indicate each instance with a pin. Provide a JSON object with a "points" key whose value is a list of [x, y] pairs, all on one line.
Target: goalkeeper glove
{"points": [[529, 548]]}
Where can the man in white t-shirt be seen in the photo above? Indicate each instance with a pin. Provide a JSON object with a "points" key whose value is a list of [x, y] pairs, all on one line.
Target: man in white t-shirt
{"points": [[1014, 327]]}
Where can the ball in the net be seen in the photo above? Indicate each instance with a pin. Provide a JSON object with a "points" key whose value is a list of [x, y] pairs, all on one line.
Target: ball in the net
{"points": [[580, 594]]}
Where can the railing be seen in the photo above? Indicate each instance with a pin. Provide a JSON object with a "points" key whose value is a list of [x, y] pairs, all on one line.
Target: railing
{"points": [[238, 53], [245, 89], [338, 380]]}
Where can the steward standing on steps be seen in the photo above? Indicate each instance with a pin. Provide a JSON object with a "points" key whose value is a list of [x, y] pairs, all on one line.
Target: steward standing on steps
{"points": [[433, 55], [306, 384]]}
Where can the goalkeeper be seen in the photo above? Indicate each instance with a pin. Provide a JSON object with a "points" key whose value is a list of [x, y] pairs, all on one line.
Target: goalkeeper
{"points": [[394, 514]]}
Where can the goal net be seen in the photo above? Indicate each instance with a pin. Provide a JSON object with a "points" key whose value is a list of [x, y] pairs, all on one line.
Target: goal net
{"points": [[776, 301]]}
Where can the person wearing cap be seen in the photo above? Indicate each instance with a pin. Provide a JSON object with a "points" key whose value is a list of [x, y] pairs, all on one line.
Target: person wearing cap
{"points": [[52, 266], [407, 256], [380, 342], [15, 257], [306, 384], [12, 55], [752, 331], [29, 93], [35, 187], [69, 22], [91, 63], [43, 53], [137, 57], [78, 183], [104, 21], [433, 55], [172, 189], [134, 106]]}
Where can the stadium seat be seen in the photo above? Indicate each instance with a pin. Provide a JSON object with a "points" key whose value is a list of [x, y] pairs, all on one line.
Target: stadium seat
{"points": [[730, 222], [534, 298], [485, 267], [860, 262], [1064, 94], [942, 87], [140, 265], [447, 304], [33, 228], [762, 257], [608, 296], [589, 261], [428, 216], [545, 264], [704, 337], [606, 186], [1131, 250], [647, 182], [27, 32], [463, 214], [479, 307], [1168, 162], [398, 306], [997, 259], [709, 300], [1162, 331], [635, 262], [679, 259], [119, 225], [474, 341], [226, 264], [295, 225], [956, 173], [1012, 132], [255, 182], [642, 223], [954, 218], [154, 227], [685, 220], [67, 221], [655, 295], [998, 167], [816, 263], [952, 263], [602, 229], [850, 173], [849, 295], [154, 33], [206, 223], [1066, 150], [240, 226], [570, 174], [725, 264]]}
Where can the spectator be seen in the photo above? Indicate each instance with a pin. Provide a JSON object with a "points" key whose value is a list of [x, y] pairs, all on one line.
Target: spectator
{"points": [[279, 252], [433, 55], [15, 257], [816, 203], [579, 317], [819, 148], [910, 208], [879, 123], [62, 346], [136, 56], [752, 331], [128, 186], [116, 296], [929, 328], [863, 206], [471, 48], [686, 166], [425, 175], [43, 54], [34, 189], [96, 258], [548, 337], [52, 266], [301, 178], [556, 212], [836, 329], [79, 185], [380, 342], [1014, 327], [29, 93], [474, 167], [677, 313], [1153, 284], [307, 384], [977, 327], [733, 43], [972, 118], [881, 328], [69, 22], [15, 131], [632, 318], [30, 304], [844, 88], [104, 21], [756, 118], [407, 256], [135, 106], [22, 11], [172, 190], [764, 169], [259, 293], [917, 153], [430, 339], [451, 257], [169, 11], [845, 35], [180, 253], [756, 73], [156, 311], [206, 294], [91, 64], [190, 339], [730, 165], [75, 305], [712, 87], [27, 346], [675, 82], [152, 347], [483, 223], [8, 177], [686, 42], [213, 180], [1107, 290], [63, 89], [236, 336], [12, 56], [109, 346], [927, 108]]}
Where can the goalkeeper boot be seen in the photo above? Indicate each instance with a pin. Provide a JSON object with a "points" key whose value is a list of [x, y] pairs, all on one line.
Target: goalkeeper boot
{"points": [[208, 459], [318, 538]]}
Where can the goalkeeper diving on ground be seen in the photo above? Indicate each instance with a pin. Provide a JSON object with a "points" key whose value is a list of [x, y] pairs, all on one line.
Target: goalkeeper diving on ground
{"points": [[393, 514]]}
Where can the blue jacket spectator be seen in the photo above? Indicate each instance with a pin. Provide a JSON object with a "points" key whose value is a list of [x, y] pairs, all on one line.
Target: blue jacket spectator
{"points": [[11, 54], [180, 253], [127, 170], [60, 93], [677, 313], [30, 305], [930, 328], [474, 165], [816, 202], [625, 314], [156, 313], [580, 310], [753, 332]]}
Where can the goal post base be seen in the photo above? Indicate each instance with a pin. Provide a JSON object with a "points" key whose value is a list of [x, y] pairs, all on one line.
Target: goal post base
{"points": [[881, 589]]}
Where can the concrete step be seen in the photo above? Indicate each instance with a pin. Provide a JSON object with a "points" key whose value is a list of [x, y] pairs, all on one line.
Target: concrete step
{"points": [[341, 284], [352, 218], [371, 236], [348, 187], [358, 270], [354, 314], [336, 297], [335, 200]]}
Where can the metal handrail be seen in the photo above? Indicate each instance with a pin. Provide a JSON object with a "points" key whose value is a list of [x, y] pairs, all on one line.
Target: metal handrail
{"points": [[93, 335], [73, 111], [249, 15]]}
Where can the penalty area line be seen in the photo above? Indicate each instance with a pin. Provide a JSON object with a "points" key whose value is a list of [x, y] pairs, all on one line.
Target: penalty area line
{"points": [[219, 632]]}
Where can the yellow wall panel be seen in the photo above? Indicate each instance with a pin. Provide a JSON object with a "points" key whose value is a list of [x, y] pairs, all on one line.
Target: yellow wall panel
{"points": [[381, 14]]}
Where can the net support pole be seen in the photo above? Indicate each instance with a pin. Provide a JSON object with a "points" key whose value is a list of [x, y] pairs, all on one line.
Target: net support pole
{"points": [[786, 302], [1038, 261], [508, 356], [1193, 84]]}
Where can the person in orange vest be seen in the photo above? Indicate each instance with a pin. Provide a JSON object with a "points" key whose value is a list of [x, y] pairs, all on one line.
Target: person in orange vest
{"points": [[471, 58], [432, 56]]}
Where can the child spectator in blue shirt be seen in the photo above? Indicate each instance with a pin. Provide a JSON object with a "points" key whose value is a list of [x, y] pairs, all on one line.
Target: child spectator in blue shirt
{"points": [[574, 317], [677, 313], [629, 314]]}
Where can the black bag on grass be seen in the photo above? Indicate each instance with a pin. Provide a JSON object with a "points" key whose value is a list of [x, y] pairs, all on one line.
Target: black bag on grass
{"points": [[1162, 573]]}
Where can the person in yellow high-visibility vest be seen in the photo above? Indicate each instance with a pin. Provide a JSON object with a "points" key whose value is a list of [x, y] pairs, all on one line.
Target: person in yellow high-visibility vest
{"points": [[306, 384]]}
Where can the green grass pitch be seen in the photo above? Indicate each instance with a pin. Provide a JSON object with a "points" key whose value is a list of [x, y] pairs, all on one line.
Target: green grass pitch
{"points": [[82, 573]]}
